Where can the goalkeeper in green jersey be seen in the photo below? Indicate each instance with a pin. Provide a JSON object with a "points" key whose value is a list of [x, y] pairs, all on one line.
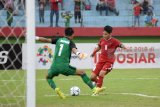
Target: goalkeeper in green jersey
{"points": [[61, 61]]}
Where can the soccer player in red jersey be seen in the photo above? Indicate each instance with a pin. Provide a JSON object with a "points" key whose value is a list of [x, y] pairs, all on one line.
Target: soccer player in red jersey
{"points": [[108, 46]]}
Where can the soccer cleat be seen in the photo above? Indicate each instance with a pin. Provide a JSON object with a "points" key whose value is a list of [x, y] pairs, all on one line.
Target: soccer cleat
{"points": [[94, 91], [61, 95], [97, 90]]}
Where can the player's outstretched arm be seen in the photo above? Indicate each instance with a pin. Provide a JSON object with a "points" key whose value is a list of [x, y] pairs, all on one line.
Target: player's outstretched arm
{"points": [[123, 46], [79, 54], [95, 51], [42, 39]]}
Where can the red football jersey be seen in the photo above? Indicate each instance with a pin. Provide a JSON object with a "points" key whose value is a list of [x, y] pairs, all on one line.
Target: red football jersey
{"points": [[108, 47]]}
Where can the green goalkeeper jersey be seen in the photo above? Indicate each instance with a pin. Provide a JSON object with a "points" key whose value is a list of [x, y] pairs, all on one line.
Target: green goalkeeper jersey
{"points": [[63, 50]]}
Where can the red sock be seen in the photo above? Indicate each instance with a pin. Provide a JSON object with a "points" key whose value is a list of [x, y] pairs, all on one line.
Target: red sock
{"points": [[100, 81]]}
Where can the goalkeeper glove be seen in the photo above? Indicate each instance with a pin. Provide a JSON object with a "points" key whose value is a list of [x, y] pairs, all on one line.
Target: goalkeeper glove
{"points": [[81, 55], [37, 38]]}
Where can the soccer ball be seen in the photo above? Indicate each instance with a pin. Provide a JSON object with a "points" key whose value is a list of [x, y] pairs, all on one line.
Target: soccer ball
{"points": [[75, 91]]}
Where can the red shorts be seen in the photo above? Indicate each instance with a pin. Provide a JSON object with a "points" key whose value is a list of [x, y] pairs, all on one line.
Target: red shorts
{"points": [[106, 66]]}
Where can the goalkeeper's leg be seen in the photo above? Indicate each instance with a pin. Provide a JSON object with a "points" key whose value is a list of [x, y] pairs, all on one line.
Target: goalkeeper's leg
{"points": [[85, 78], [53, 85], [95, 89]]}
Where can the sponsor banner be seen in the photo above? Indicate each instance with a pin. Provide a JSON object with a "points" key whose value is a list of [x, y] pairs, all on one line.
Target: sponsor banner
{"points": [[45, 52], [139, 55], [10, 56]]}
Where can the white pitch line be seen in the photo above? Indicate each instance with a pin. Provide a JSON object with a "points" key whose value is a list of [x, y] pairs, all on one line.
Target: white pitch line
{"points": [[138, 94], [65, 79], [11, 80], [69, 79], [132, 94], [12, 96], [65, 95], [135, 78]]}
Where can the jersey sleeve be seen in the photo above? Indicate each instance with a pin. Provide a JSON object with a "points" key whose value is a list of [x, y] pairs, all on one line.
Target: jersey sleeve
{"points": [[118, 43], [54, 40], [72, 45], [99, 43]]}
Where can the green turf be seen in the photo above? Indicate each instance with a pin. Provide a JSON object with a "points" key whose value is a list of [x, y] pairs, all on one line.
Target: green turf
{"points": [[123, 88], [119, 81]]}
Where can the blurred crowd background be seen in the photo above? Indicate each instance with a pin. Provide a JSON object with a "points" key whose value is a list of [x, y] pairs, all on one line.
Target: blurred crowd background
{"points": [[83, 13]]}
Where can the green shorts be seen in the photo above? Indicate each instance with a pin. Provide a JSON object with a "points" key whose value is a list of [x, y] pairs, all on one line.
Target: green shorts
{"points": [[64, 69]]}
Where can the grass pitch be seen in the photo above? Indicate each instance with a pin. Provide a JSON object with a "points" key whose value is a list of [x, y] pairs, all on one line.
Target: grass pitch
{"points": [[124, 88]]}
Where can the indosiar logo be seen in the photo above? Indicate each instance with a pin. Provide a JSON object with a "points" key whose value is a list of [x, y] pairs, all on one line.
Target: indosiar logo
{"points": [[3, 57], [45, 55]]}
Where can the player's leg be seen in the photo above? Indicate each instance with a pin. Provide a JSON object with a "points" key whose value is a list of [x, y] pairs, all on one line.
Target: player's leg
{"points": [[85, 78], [138, 20], [75, 16], [73, 71], [105, 70], [99, 83], [70, 70], [79, 17], [43, 15], [95, 72], [57, 17], [94, 78], [51, 74], [107, 67], [134, 21], [51, 17], [101, 77], [49, 78]]}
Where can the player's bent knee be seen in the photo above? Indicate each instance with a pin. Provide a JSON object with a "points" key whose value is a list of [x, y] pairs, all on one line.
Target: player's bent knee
{"points": [[80, 72], [103, 73], [93, 77], [48, 77]]}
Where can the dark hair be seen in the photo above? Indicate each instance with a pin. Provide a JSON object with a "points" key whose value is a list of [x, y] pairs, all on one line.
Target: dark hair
{"points": [[108, 29], [69, 31]]}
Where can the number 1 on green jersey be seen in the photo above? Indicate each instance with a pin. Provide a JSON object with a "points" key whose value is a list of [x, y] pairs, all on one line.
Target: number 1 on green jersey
{"points": [[60, 49]]}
